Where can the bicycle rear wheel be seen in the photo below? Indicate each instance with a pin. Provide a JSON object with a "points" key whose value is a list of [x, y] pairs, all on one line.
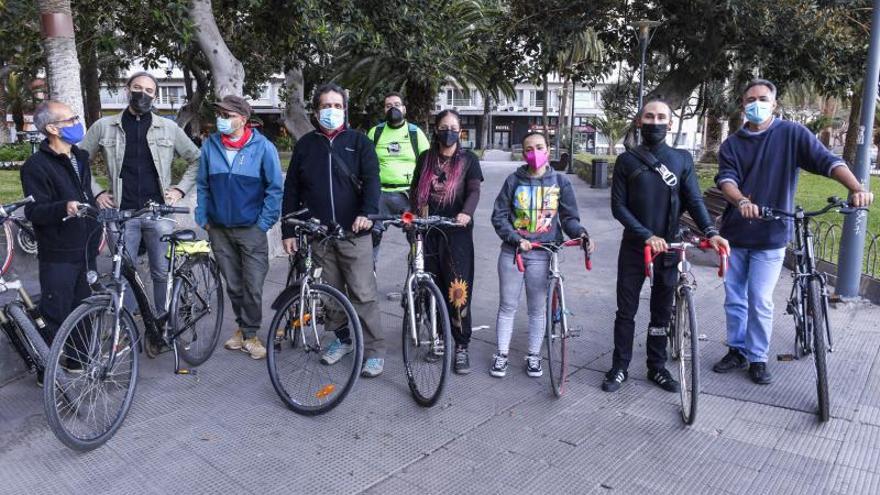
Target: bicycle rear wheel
{"points": [[301, 331], [557, 336], [7, 248], [686, 338], [427, 355], [197, 309], [32, 339], [27, 240], [820, 351], [86, 398]]}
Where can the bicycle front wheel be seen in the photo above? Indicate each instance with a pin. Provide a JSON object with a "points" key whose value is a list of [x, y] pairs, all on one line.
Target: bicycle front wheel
{"points": [[197, 309], [686, 338], [301, 333], [90, 383], [817, 316], [7, 248], [557, 336], [427, 351]]}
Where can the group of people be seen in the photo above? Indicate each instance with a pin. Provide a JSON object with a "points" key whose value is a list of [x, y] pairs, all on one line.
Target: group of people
{"points": [[343, 176]]}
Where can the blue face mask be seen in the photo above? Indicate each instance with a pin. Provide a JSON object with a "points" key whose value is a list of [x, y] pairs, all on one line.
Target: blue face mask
{"points": [[224, 126], [757, 112], [331, 118], [72, 134]]}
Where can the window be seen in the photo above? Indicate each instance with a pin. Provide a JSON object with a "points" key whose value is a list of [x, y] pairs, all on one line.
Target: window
{"points": [[459, 98], [172, 95], [538, 100], [682, 139]]}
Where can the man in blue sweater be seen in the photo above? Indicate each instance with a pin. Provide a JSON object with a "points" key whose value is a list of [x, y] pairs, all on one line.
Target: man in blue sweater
{"points": [[758, 166]]}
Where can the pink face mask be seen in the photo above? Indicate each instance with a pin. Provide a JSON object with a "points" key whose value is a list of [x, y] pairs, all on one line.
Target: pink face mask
{"points": [[536, 159]]}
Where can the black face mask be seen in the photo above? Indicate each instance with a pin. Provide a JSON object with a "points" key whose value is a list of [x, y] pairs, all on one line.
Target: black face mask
{"points": [[394, 117], [140, 102], [654, 133], [447, 138]]}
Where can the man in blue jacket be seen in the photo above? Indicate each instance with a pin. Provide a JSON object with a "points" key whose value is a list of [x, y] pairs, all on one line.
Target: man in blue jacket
{"points": [[239, 199], [758, 166], [334, 173]]}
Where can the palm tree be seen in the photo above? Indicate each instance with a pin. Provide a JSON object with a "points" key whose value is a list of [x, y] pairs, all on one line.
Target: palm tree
{"points": [[585, 48], [59, 44], [613, 128]]}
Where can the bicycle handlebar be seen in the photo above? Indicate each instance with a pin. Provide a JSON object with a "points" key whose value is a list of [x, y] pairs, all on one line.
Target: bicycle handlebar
{"points": [[553, 247], [408, 219], [834, 202], [700, 243], [313, 226], [7, 209], [110, 215]]}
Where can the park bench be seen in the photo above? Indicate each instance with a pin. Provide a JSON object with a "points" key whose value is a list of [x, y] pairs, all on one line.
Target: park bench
{"points": [[715, 203]]}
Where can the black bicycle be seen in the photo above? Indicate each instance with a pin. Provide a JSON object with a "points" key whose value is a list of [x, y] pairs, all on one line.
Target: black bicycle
{"points": [[427, 332], [808, 302], [308, 316], [93, 363]]}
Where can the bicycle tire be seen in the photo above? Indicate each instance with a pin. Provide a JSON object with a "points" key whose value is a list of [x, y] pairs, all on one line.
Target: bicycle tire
{"points": [[327, 393], [420, 356], [55, 399], [817, 310], [7, 249], [556, 336], [686, 337], [34, 342], [26, 240], [197, 290]]}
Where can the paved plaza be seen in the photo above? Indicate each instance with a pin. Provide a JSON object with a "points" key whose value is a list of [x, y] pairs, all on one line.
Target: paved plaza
{"points": [[226, 431]]}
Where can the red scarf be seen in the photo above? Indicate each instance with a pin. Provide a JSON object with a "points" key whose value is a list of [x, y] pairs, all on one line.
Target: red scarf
{"points": [[239, 144]]}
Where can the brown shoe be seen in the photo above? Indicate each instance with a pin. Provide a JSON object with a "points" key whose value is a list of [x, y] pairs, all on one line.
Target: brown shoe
{"points": [[254, 347], [235, 342]]}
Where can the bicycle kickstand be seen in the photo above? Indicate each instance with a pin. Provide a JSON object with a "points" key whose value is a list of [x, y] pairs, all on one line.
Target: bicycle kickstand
{"points": [[177, 369]]}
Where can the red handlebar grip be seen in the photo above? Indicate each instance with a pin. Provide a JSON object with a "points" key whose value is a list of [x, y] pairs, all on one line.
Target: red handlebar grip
{"points": [[649, 260], [573, 242], [705, 244], [519, 263], [724, 261], [588, 263]]}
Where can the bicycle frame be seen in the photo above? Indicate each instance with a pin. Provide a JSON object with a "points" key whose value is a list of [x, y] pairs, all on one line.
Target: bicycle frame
{"points": [[416, 272], [803, 273]]}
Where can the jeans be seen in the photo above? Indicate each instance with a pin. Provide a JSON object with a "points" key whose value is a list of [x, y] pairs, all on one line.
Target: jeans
{"points": [[390, 203], [748, 286], [150, 231], [242, 254], [510, 283]]}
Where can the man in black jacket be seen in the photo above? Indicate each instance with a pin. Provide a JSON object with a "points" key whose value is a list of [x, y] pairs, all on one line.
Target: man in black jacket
{"points": [[59, 179], [334, 173], [649, 200]]}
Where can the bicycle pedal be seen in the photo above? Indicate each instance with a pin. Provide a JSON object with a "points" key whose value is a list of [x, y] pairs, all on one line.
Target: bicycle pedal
{"points": [[186, 371], [786, 357], [574, 332]]}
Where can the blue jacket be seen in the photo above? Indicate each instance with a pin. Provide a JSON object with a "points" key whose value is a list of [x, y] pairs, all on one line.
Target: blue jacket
{"points": [[242, 193], [765, 167]]}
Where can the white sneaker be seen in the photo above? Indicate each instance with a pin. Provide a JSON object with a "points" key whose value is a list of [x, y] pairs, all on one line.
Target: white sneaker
{"points": [[499, 366], [335, 352], [533, 366]]}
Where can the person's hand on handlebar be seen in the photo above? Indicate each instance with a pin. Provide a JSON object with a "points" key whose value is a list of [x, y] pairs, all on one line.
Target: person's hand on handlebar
{"points": [[718, 243], [525, 245], [590, 243], [290, 246], [748, 209], [462, 219], [105, 200], [658, 244], [361, 223], [861, 199], [72, 208]]}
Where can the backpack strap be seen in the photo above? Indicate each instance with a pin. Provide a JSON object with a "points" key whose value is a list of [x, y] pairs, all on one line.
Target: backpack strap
{"points": [[414, 139], [377, 133]]}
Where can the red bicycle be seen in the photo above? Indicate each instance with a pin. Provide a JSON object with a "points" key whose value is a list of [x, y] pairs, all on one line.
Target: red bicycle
{"points": [[683, 331]]}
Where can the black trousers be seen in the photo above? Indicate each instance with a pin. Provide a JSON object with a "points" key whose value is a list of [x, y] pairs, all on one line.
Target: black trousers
{"points": [[630, 278], [450, 258], [62, 287]]}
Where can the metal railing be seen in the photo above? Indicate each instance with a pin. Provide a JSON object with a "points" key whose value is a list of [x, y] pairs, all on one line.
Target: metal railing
{"points": [[826, 245]]}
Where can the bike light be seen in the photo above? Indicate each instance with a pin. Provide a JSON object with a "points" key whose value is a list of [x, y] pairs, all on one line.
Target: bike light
{"points": [[407, 217], [91, 277]]}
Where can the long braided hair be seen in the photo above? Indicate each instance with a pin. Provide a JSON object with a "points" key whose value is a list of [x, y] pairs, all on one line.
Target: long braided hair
{"points": [[431, 167]]}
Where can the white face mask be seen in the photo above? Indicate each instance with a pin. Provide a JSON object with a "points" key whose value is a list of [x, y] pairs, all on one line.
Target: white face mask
{"points": [[757, 112], [331, 118]]}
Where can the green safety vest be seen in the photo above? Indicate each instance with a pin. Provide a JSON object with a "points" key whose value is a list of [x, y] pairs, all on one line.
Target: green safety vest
{"points": [[397, 150]]}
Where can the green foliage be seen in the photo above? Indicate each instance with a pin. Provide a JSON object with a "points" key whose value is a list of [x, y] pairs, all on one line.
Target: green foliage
{"points": [[15, 152]]}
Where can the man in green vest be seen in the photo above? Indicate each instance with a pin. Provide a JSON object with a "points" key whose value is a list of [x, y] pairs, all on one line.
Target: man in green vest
{"points": [[398, 146]]}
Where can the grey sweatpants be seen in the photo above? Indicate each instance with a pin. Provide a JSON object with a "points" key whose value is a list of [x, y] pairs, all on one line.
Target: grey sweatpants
{"points": [[242, 254]]}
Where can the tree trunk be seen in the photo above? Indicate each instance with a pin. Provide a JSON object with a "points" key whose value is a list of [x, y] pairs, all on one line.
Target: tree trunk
{"points": [[188, 115], [850, 145], [562, 121], [544, 108], [227, 72], [4, 129], [296, 118], [829, 109], [485, 130], [59, 44], [91, 83], [712, 139]]}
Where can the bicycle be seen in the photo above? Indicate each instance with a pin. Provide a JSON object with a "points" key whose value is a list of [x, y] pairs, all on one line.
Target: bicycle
{"points": [[683, 333], [93, 358], [426, 330], [308, 315], [557, 313], [808, 301], [20, 319]]}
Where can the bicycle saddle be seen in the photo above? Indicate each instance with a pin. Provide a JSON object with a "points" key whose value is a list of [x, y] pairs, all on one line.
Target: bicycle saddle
{"points": [[179, 236]]}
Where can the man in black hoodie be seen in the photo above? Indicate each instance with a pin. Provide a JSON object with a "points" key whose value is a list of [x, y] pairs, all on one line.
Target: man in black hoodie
{"points": [[649, 201], [334, 173], [59, 179]]}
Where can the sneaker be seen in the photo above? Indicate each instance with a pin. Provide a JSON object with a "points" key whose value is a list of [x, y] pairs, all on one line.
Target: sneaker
{"points": [[663, 379], [499, 365], [614, 379], [373, 367], [533, 365], [254, 347], [436, 353], [462, 364], [759, 374], [235, 342], [733, 360], [335, 352]]}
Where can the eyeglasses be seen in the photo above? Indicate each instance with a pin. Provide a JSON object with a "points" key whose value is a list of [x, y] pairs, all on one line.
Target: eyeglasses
{"points": [[71, 120]]}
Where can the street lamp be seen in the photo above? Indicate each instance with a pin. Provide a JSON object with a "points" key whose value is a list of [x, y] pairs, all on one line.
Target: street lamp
{"points": [[644, 27]]}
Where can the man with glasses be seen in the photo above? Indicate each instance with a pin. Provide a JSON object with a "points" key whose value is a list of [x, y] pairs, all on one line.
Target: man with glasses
{"points": [[334, 173], [653, 185], [59, 179], [138, 149], [398, 146]]}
